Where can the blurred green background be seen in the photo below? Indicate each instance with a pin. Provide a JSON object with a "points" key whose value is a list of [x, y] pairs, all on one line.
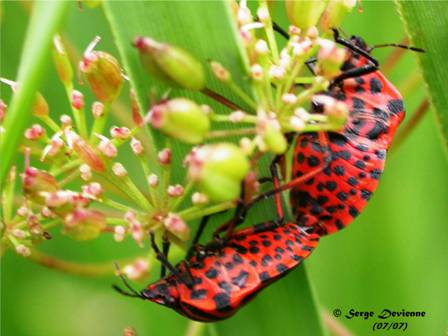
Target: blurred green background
{"points": [[393, 256]]}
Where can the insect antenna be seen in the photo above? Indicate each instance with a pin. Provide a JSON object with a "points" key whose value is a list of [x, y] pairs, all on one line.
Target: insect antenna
{"points": [[396, 45], [124, 280]]}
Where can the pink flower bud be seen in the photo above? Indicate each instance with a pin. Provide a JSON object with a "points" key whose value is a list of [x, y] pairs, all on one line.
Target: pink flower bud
{"points": [[293, 30], [137, 270], [297, 123], [46, 212], [199, 198], [136, 228], [175, 191], [58, 198], [23, 250], [164, 156], [85, 172], [137, 146], [120, 132], [119, 170], [77, 100], [54, 147], [261, 47], [153, 180], [289, 98], [18, 233], [92, 190], [22, 211], [237, 116], [175, 225], [119, 233], [256, 72], [2, 110], [66, 121], [263, 14], [106, 147], [35, 132], [97, 109]]}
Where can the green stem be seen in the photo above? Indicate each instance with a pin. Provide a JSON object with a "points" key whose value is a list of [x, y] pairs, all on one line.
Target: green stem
{"points": [[250, 119], [240, 93], [90, 270], [78, 115], [100, 123], [50, 123], [128, 187], [8, 196], [233, 132], [67, 167], [194, 213], [195, 328], [115, 205]]}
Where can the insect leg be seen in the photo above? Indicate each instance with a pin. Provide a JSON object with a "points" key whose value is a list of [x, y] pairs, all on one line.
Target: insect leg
{"points": [[280, 30], [197, 236], [323, 139], [165, 251], [161, 257]]}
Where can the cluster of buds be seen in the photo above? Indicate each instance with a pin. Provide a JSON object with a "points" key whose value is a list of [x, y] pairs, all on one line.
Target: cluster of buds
{"points": [[110, 199]]}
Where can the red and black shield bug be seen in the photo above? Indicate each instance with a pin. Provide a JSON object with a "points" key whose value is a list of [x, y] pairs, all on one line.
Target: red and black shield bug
{"points": [[335, 173], [350, 164], [220, 277]]}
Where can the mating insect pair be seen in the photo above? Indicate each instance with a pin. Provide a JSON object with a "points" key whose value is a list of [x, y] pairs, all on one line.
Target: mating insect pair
{"points": [[334, 176]]}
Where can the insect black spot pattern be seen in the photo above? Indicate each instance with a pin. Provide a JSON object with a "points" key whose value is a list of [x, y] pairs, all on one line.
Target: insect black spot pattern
{"points": [[222, 301], [198, 294], [375, 85]]}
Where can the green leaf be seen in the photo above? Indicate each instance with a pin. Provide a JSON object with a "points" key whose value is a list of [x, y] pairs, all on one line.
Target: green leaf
{"points": [[206, 30], [45, 20], [426, 24]]}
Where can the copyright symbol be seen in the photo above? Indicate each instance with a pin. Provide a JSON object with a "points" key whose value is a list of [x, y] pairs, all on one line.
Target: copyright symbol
{"points": [[337, 312]]}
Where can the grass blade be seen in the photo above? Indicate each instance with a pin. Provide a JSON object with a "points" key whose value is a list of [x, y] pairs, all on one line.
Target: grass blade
{"points": [[426, 24], [212, 36], [44, 22]]}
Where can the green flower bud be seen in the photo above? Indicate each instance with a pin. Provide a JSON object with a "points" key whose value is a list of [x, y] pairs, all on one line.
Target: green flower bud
{"points": [[304, 13], [88, 155], [40, 107], [272, 137], [36, 182], [218, 170], [330, 59], [170, 64], [84, 224], [336, 111], [62, 62], [103, 73], [182, 119], [335, 12]]}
